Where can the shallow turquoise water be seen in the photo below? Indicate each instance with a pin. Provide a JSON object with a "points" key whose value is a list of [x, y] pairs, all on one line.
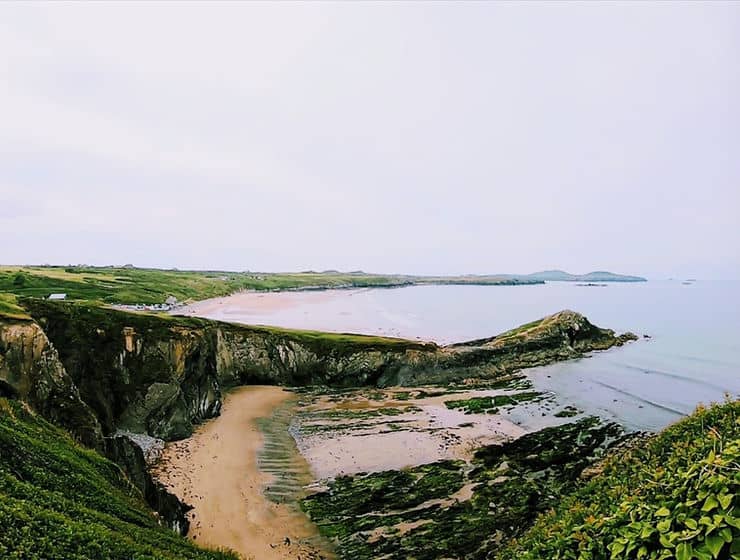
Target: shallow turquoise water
{"points": [[692, 357]]}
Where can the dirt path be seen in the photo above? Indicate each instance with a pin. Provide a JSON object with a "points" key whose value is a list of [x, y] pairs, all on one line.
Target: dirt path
{"points": [[216, 471]]}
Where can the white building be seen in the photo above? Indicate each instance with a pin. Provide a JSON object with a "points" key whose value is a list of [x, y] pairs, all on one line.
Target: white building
{"points": [[58, 296]]}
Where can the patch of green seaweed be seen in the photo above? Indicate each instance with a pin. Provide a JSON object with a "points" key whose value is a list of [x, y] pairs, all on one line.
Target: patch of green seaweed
{"points": [[398, 515], [492, 404]]}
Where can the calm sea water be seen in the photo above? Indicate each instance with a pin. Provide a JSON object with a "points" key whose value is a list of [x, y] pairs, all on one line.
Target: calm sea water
{"points": [[693, 356]]}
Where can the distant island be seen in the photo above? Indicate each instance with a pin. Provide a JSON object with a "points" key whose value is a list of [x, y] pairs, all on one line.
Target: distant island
{"points": [[597, 276]]}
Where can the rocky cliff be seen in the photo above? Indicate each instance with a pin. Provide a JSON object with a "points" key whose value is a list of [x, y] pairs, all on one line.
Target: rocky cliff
{"points": [[30, 369], [160, 375]]}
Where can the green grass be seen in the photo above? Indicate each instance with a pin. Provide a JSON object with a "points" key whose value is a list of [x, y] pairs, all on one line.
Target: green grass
{"points": [[93, 313], [330, 341], [60, 501], [10, 309], [150, 286], [674, 496]]}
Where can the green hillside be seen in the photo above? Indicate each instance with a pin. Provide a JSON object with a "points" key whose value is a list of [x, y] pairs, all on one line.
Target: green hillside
{"points": [[150, 286], [60, 501], [673, 496]]}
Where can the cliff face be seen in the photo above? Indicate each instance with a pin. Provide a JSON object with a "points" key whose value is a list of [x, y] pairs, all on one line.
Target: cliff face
{"points": [[161, 375], [30, 369], [136, 372], [248, 357], [565, 335]]}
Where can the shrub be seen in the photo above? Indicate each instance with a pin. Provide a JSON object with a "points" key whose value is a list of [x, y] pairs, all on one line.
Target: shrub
{"points": [[671, 497]]}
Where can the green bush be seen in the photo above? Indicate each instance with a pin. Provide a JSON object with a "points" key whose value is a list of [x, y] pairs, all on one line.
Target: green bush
{"points": [[672, 497]]}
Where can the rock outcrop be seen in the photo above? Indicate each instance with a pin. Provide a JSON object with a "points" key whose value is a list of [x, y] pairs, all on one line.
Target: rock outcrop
{"points": [[30, 369], [124, 451], [160, 375]]}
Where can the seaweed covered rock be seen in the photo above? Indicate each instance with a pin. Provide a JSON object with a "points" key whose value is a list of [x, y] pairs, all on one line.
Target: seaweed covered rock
{"points": [[672, 495], [452, 509]]}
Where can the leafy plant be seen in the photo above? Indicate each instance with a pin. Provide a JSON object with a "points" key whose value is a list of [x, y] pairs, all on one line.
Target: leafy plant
{"points": [[671, 497]]}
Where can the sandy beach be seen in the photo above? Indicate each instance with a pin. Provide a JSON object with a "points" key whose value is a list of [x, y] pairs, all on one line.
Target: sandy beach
{"points": [[216, 471], [242, 306], [406, 433], [340, 310]]}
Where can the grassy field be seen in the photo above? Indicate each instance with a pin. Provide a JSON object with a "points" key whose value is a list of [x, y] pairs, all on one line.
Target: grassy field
{"points": [[152, 286], [149, 286], [10, 309], [60, 501]]}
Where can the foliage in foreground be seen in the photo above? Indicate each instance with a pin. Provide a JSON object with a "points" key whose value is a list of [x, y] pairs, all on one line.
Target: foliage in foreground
{"points": [[60, 501], [675, 496]]}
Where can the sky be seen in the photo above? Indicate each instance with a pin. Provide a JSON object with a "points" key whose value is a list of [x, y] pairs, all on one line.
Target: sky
{"points": [[429, 138]]}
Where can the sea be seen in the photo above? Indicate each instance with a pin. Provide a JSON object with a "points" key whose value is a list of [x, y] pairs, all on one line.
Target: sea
{"points": [[692, 355]]}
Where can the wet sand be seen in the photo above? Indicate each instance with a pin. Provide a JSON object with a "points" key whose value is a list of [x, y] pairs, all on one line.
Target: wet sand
{"points": [[216, 471], [244, 475], [417, 431]]}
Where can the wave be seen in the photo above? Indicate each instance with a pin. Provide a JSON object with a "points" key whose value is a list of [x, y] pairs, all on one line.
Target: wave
{"points": [[642, 399], [706, 360], [672, 375]]}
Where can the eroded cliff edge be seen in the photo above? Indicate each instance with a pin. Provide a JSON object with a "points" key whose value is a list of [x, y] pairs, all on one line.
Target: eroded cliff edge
{"points": [[161, 375]]}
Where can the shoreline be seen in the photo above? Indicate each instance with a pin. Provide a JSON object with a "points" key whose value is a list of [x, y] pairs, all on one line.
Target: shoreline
{"points": [[297, 309], [216, 471]]}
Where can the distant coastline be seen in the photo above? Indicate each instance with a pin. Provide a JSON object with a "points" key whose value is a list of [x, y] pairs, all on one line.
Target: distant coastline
{"points": [[131, 286]]}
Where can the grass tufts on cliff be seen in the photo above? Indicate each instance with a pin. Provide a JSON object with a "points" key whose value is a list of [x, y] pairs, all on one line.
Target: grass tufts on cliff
{"points": [[673, 496], [9, 308], [93, 313], [60, 501]]}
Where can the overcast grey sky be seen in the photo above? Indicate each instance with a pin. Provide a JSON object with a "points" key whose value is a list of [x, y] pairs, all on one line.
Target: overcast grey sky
{"points": [[417, 137]]}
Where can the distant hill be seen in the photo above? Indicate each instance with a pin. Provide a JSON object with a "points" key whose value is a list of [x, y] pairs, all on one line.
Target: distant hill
{"points": [[597, 276]]}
